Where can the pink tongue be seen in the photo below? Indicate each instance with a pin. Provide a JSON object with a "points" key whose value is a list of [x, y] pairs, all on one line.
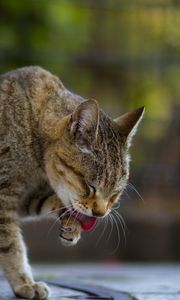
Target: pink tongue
{"points": [[87, 223]]}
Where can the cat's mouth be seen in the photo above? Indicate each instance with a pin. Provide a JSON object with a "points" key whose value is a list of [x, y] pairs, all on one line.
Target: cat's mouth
{"points": [[87, 223]]}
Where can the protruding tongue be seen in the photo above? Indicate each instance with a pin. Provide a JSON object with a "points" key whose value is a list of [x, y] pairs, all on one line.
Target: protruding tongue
{"points": [[87, 223]]}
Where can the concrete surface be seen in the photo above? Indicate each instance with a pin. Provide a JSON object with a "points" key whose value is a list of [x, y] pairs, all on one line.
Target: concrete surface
{"points": [[140, 281]]}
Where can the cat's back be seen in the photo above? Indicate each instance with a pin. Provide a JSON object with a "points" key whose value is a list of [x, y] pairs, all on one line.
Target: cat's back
{"points": [[13, 99], [22, 95], [36, 86], [23, 92], [22, 76], [20, 84]]}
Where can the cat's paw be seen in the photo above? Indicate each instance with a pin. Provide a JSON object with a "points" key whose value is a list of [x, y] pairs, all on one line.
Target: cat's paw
{"points": [[70, 231], [36, 290]]}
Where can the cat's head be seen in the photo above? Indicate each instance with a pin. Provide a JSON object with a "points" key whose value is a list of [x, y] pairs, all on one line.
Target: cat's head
{"points": [[87, 163]]}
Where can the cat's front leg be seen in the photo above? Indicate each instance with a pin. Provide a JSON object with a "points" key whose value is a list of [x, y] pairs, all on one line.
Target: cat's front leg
{"points": [[70, 228], [52, 206], [14, 260]]}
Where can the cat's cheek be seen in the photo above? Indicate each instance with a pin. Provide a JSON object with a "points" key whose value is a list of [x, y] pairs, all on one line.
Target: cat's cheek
{"points": [[65, 194]]}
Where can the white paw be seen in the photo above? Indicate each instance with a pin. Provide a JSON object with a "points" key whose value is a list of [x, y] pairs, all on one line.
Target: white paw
{"points": [[70, 232], [37, 290]]}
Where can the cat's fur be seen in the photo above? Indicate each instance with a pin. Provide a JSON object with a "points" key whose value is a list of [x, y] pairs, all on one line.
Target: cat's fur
{"points": [[56, 150]]}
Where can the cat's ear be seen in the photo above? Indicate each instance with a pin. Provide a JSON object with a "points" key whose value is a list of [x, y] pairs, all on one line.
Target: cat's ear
{"points": [[129, 122], [84, 124]]}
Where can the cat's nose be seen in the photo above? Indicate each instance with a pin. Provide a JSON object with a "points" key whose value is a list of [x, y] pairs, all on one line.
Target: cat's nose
{"points": [[99, 208], [97, 214]]}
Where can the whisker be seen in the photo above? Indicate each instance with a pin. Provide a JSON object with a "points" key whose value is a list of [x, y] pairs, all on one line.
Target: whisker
{"points": [[57, 219], [95, 227], [119, 238], [75, 217], [65, 213], [126, 192], [111, 221], [52, 226], [118, 205], [101, 235], [122, 224], [122, 220], [58, 209], [71, 213], [135, 190]]}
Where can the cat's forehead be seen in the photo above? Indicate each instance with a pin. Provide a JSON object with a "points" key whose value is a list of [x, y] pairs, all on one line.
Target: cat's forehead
{"points": [[108, 130], [105, 169]]}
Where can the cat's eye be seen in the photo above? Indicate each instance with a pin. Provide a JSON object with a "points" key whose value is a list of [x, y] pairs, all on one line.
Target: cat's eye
{"points": [[92, 190]]}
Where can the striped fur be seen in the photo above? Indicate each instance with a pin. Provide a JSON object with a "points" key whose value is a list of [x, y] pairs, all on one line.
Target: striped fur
{"points": [[56, 149]]}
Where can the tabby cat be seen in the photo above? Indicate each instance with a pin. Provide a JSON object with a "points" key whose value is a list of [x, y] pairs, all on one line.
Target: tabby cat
{"points": [[60, 156]]}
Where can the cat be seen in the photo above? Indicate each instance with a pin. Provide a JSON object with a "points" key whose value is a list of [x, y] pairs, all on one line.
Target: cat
{"points": [[60, 156]]}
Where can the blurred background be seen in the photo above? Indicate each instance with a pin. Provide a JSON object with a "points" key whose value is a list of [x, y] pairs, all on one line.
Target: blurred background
{"points": [[125, 54]]}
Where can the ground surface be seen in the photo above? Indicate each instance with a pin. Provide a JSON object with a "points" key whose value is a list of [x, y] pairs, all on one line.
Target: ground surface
{"points": [[142, 282]]}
